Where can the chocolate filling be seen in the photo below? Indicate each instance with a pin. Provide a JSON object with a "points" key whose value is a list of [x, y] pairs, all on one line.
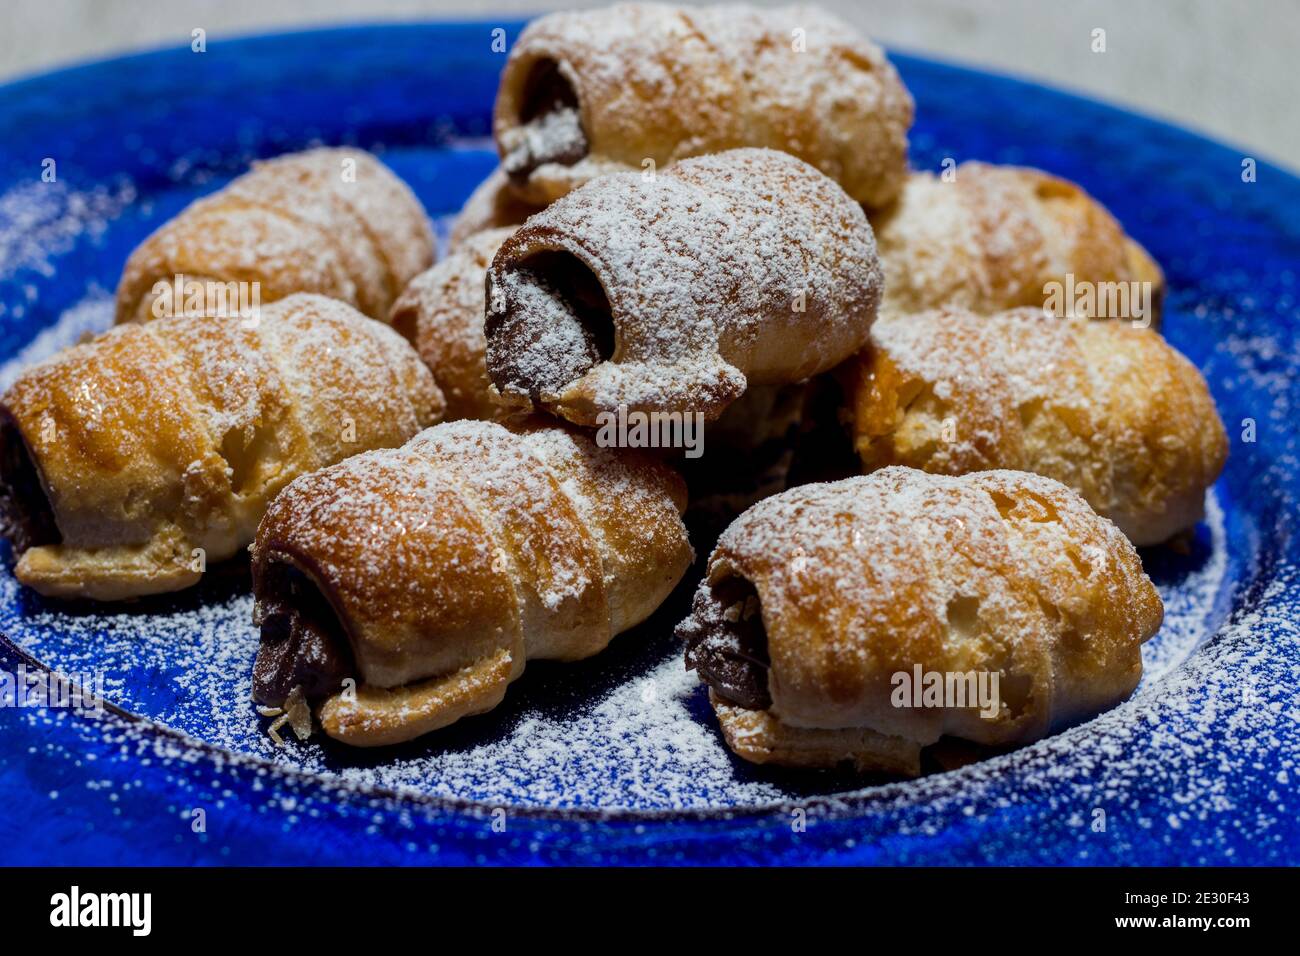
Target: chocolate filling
{"points": [[555, 324], [726, 643], [26, 517], [550, 128], [303, 643]]}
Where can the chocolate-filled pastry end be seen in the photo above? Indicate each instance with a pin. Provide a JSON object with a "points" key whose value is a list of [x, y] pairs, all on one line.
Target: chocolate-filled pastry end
{"points": [[302, 643], [821, 602], [726, 644], [594, 92], [26, 518], [431, 573], [676, 292], [550, 129]]}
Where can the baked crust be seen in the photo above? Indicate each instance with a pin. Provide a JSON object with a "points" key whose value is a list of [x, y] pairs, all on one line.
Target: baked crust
{"points": [[759, 736], [660, 83], [492, 205], [863, 579], [451, 561], [744, 268], [1110, 410], [994, 236], [441, 314], [153, 440], [292, 224]]}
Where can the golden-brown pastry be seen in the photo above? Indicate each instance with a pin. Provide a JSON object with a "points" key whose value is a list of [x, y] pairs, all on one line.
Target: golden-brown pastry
{"points": [[1112, 411], [492, 205], [672, 293], [402, 590], [332, 221], [828, 610], [441, 314], [594, 92], [132, 461], [994, 237]]}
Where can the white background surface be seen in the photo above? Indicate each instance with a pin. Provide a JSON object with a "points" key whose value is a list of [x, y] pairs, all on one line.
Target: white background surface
{"points": [[1228, 68]]}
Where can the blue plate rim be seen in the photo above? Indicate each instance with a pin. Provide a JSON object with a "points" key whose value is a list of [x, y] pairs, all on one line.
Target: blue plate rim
{"points": [[68, 71], [848, 804]]}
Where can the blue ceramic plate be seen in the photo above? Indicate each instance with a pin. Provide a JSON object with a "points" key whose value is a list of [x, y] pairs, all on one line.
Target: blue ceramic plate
{"points": [[617, 759]]}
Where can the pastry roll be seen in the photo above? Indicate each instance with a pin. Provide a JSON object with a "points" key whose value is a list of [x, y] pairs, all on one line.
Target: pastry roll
{"points": [[996, 236], [129, 463], [827, 611], [492, 205], [441, 314], [331, 221], [404, 589], [1110, 410], [589, 93], [672, 293]]}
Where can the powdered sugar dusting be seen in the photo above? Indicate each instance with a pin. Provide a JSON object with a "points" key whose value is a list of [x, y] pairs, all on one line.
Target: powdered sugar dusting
{"points": [[441, 313], [988, 237], [332, 221], [705, 267], [1189, 603], [628, 728], [646, 738], [666, 83], [89, 317], [40, 221]]}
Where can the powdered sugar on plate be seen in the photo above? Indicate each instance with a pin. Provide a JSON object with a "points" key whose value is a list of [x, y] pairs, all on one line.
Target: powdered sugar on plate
{"points": [[40, 221], [629, 728], [92, 315], [1190, 597]]}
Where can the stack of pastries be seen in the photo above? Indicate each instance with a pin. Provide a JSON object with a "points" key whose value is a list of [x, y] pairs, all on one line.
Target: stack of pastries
{"points": [[697, 213]]}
